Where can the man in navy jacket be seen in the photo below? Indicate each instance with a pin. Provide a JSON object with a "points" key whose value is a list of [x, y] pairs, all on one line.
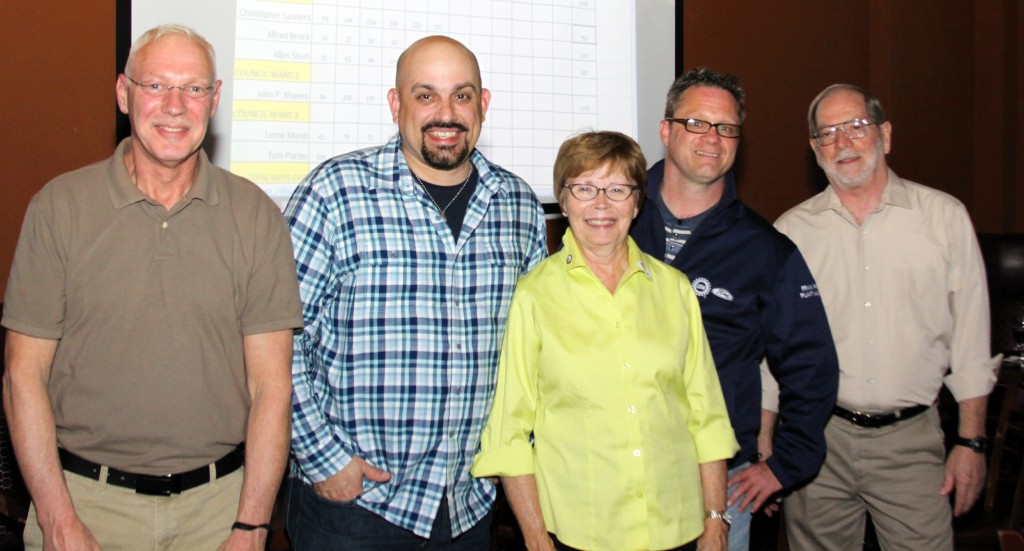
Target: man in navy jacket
{"points": [[757, 296]]}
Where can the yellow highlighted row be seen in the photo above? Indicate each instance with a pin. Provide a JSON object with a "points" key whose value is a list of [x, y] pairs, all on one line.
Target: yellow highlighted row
{"points": [[277, 111], [285, 71], [271, 173]]}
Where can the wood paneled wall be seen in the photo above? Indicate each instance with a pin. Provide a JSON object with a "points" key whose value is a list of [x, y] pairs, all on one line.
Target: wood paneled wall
{"points": [[948, 72]]}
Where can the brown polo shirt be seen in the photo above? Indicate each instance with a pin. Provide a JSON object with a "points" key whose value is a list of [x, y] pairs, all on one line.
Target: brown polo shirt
{"points": [[150, 307]]}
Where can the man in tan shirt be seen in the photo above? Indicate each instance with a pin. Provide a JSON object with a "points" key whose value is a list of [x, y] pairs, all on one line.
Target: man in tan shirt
{"points": [[903, 283], [150, 310]]}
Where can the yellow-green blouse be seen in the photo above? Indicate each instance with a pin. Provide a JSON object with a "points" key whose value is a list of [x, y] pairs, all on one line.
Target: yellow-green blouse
{"points": [[622, 398]]}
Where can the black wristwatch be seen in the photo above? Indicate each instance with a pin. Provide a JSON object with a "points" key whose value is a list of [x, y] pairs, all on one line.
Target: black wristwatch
{"points": [[978, 445]]}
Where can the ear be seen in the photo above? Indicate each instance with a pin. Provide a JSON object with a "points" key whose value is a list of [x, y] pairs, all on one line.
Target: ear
{"points": [[485, 100], [393, 103], [886, 129], [216, 98], [121, 91], [664, 129]]}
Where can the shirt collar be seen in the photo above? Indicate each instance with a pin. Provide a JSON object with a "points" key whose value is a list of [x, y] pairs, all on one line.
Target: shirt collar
{"points": [[487, 178], [123, 191], [572, 257], [895, 194]]}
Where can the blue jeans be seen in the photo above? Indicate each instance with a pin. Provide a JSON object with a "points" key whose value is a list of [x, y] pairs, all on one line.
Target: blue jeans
{"points": [[318, 524], [739, 532]]}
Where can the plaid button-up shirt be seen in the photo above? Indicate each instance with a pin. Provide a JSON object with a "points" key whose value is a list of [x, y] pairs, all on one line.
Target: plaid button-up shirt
{"points": [[397, 360]]}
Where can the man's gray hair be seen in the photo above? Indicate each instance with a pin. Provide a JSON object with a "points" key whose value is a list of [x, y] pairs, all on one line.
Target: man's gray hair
{"points": [[874, 107], [156, 33]]}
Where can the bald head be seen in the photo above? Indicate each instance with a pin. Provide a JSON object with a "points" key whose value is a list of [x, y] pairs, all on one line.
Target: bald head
{"points": [[428, 49], [439, 105]]}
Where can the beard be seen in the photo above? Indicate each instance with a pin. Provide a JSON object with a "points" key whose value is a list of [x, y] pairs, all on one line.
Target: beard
{"points": [[871, 159], [447, 157]]}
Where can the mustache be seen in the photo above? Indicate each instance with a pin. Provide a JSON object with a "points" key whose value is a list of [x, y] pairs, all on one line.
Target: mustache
{"points": [[444, 124]]}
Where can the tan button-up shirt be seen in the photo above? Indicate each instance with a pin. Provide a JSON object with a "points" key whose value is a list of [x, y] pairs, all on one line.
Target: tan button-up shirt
{"points": [[905, 294]]}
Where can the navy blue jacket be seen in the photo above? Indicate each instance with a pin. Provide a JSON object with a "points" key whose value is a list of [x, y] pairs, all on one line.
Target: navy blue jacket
{"points": [[758, 299]]}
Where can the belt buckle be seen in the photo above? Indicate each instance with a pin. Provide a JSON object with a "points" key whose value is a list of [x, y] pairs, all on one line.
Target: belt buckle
{"points": [[157, 485], [864, 419]]}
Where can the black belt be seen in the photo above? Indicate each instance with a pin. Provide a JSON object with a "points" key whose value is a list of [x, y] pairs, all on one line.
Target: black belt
{"points": [[150, 484], [877, 420]]}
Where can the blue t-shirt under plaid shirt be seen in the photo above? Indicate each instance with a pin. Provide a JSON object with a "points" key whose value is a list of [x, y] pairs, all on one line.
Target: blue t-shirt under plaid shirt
{"points": [[398, 358]]}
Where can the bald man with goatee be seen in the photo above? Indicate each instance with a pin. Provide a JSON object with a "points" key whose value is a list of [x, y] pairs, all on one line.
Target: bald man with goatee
{"points": [[407, 256]]}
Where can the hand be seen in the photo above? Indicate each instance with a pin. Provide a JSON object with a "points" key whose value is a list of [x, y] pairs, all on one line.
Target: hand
{"points": [[715, 536], [69, 535], [348, 483], [254, 540], [754, 485], [965, 474], [773, 506]]}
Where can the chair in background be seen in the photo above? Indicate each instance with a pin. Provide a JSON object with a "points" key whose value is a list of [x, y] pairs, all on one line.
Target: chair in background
{"points": [[1001, 505], [1004, 265]]}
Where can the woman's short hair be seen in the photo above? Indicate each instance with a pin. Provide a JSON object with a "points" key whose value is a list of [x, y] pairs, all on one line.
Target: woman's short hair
{"points": [[592, 150]]}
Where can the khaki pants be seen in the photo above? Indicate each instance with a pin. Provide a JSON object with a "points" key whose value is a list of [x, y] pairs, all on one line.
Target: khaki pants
{"points": [[894, 472], [197, 520]]}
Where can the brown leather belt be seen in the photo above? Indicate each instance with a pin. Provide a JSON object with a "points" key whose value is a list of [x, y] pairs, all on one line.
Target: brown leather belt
{"points": [[877, 420], [150, 484]]}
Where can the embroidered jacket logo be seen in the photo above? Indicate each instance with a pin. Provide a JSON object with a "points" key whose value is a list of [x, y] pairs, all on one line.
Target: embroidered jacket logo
{"points": [[701, 288]]}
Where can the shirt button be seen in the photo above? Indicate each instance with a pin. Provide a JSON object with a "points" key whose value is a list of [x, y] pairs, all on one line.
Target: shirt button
{"points": [[437, 218], [458, 346], [618, 325], [636, 453], [632, 409], [164, 225], [625, 366], [867, 304], [640, 495]]}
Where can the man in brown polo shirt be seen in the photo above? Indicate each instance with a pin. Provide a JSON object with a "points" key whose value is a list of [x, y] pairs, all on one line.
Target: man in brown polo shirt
{"points": [[151, 306]]}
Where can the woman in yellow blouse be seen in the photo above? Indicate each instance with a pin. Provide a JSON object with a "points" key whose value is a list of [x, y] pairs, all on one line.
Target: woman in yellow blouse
{"points": [[608, 429]]}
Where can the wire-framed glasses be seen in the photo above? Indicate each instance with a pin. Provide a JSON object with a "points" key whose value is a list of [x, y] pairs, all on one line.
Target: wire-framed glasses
{"points": [[153, 88], [586, 192], [854, 129]]}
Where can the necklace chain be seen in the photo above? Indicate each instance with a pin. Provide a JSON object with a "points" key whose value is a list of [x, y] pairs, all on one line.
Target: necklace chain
{"points": [[431, 197]]}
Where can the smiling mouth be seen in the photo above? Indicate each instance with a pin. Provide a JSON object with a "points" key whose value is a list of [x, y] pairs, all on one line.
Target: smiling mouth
{"points": [[702, 153]]}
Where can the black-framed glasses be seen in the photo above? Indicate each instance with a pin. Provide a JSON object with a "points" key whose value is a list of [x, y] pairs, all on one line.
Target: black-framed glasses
{"points": [[616, 192], [153, 88], [854, 129], [697, 126]]}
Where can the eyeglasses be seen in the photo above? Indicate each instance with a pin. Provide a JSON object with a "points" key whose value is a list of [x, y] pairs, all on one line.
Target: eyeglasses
{"points": [[193, 91], [854, 129], [697, 126], [586, 192]]}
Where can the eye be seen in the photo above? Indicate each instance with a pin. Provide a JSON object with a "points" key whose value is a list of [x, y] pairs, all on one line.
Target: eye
{"points": [[424, 96], [194, 89], [827, 132], [585, 189], [154, 87], [617, 192], [695, 123]]}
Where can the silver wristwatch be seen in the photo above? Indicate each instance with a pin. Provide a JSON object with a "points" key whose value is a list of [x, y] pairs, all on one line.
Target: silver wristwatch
{"points": [[720, 515]]}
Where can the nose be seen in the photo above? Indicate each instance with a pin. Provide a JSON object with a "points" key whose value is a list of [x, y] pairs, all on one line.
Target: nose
{"points": [[842, 140], [174, 102], [446, 109]]}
